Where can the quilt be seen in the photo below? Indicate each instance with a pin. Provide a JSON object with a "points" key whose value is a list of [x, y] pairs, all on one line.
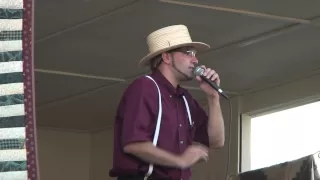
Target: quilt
{"points": [[305, 168], [17, 122]]}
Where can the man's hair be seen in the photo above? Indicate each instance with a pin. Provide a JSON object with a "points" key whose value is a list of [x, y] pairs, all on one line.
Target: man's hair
{"points": [[155, 62]]}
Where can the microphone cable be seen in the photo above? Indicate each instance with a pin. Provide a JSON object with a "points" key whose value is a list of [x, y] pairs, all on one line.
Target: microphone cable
{"points": [[229, 141], [198, 71]]}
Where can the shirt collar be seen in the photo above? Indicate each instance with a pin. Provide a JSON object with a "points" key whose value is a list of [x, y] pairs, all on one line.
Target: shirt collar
{"points": [[161, 79]]}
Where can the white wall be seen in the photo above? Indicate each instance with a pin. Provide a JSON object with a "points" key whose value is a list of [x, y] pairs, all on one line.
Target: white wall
{"points": [[63, 155], [101, 154], [66, 155]]}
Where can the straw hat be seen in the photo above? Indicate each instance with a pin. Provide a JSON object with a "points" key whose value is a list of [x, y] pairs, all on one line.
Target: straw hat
{"points": [[169, 38]]}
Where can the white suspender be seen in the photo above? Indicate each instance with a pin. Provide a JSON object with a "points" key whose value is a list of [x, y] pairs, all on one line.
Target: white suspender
{"points": [[188, 110], [156, 134]]}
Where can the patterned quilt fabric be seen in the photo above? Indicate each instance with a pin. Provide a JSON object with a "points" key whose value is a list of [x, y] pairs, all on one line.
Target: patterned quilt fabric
{"points": [[305, 168], [13, 164]]}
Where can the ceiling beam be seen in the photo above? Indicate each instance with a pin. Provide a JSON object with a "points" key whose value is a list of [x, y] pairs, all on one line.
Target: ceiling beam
{"points": [[79, 75], [270, 34], [315, 72], [86, 93], [260, 37], [97, 18], [74, 97], [239, 11], [108, 78]]}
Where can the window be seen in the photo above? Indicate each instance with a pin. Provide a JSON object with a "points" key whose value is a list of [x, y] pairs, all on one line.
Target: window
{"points": [[282, 136]]}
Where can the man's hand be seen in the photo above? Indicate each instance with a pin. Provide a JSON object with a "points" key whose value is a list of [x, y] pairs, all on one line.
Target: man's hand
{"points": [[152, 154], [192, 155], [205, 87]]}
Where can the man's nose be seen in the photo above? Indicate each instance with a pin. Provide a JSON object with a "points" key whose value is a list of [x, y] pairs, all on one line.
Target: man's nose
{"points": [[194, 60]]}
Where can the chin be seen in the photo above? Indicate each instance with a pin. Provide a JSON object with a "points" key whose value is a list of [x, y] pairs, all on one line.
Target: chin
{"points": [[189, 78]]}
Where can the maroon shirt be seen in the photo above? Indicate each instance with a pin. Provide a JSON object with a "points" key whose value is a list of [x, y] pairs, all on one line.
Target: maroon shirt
{"points": [[136, 120]]}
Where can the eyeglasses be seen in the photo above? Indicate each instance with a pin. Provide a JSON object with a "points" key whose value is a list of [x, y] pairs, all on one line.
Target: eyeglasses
{"points": [[189, 52]]}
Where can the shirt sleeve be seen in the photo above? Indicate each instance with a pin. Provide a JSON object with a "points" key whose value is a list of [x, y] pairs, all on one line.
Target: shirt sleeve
{"points": [[200, 118], [140, 103]]}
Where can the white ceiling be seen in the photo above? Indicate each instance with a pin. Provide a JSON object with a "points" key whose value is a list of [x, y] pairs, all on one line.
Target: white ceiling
{"points": [[87, 51]]}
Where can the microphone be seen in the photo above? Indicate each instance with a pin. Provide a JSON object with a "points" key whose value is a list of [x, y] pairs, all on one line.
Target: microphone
{"points": [[198, 71]]}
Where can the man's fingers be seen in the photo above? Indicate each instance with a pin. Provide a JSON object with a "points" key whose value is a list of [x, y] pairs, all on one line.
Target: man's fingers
{"points": [[210, 73], [206, 72], [205, 148], [205, 157], [214, 77], [204, 154], [198, 78]]}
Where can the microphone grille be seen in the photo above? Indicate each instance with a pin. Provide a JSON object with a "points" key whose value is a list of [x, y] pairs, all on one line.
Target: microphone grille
{"points": [[198, 71]]}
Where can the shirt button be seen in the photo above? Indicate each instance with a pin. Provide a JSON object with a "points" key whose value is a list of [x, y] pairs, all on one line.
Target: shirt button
{"points": [[180, 125], [181, 142], [171, 96]]}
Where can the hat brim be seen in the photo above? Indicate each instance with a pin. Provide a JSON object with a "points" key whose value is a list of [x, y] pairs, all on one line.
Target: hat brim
{"points": [[199, 47]]}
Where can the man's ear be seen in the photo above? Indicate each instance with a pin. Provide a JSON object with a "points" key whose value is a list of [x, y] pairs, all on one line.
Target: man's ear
{"points": [[166, 57]]}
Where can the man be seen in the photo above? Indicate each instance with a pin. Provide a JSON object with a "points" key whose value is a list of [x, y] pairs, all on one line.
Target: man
{"points": [[186, 131]]}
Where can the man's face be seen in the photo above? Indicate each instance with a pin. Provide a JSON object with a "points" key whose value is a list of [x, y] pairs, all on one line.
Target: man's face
{"points": [[183, 62]]}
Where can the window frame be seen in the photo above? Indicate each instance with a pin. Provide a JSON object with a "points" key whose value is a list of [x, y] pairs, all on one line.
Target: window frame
{"points": [[245, 130]]}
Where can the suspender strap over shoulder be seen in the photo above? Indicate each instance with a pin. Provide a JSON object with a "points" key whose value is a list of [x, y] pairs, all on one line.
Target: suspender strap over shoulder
{"points": [[156, 134]]}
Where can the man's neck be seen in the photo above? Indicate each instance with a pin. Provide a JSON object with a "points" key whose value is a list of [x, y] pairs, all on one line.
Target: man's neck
{"points": [[170, 77]]}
